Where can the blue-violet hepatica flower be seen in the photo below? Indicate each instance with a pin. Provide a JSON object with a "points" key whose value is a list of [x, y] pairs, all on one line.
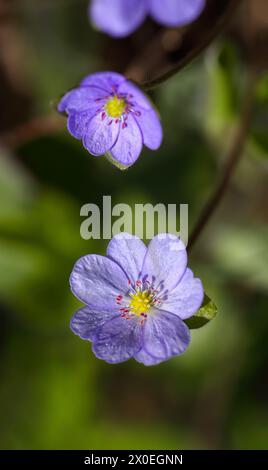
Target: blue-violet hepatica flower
{"points": [[137, 299], [112, 117], [121, 17]]}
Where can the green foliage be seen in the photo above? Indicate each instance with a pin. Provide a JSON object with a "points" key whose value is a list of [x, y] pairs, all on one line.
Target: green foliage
{"points": [[223, 81], [260, 142], [205, 314], [241, 254]]}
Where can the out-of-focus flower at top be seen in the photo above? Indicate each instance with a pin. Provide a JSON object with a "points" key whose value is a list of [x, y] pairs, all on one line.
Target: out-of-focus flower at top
{"points": [[120, 18], [112, 117], [137, 299]]}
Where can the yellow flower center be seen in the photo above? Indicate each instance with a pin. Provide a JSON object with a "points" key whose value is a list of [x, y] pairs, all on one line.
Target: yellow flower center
{"points": [[115, 107], [140, 302]]}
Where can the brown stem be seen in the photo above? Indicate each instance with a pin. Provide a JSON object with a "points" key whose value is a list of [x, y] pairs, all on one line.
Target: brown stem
{"points": [[37, 127], [194, 43], [236, 152]]}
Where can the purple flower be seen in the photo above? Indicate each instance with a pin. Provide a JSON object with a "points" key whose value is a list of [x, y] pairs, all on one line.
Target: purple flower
{"points": [[121, 17], [112, 117], [136, 299]]}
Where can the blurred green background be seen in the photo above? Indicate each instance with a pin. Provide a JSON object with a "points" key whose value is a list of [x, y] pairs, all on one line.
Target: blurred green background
{"points": [[54, 394]]}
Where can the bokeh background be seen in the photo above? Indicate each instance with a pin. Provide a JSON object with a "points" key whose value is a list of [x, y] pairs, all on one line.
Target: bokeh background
{"points": [[54, 394]]}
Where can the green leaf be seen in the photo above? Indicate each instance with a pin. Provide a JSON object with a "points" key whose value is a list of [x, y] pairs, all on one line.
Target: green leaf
{"points": [[206, 313]]}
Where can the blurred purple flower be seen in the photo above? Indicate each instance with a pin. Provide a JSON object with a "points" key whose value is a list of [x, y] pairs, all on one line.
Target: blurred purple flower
{"points": [[121, 17], [136, 299], [112, 117]]}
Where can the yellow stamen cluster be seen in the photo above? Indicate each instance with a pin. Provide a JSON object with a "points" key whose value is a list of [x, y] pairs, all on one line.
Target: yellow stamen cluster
{"points": [[140, 302], [115, 107]]}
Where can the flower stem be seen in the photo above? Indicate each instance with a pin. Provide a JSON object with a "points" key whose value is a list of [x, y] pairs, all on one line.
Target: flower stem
{"points": [[35, 128], [191, 49], [235, 154]]}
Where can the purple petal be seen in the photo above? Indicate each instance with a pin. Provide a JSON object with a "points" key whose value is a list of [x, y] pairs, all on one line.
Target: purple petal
{"points": [[165, 261], [118, 17], [105, 81], [176, 12], [77, 123], [129, 252], [80, 99], [186, 298], [134, 95], [101, 135], [117, 340], [151, 128], [86, 322], [164, 336], [96, 281], [146, 359], [128, 145]]}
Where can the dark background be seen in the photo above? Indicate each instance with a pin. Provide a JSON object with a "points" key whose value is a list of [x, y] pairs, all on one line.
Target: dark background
{"points": [[54, 394]]}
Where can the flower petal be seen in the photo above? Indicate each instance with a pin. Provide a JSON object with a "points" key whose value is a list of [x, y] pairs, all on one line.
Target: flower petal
{"points": [[117, 340], [128, 145], [129, 252], [165, 261], [80, 99], [106, 81], [101, 135], [151, 128], [146, 359], [118, 17], [164, 336], [86, 322], [77, 123], [186, 298], [96, 281], [176, 12], [134, 95]]}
